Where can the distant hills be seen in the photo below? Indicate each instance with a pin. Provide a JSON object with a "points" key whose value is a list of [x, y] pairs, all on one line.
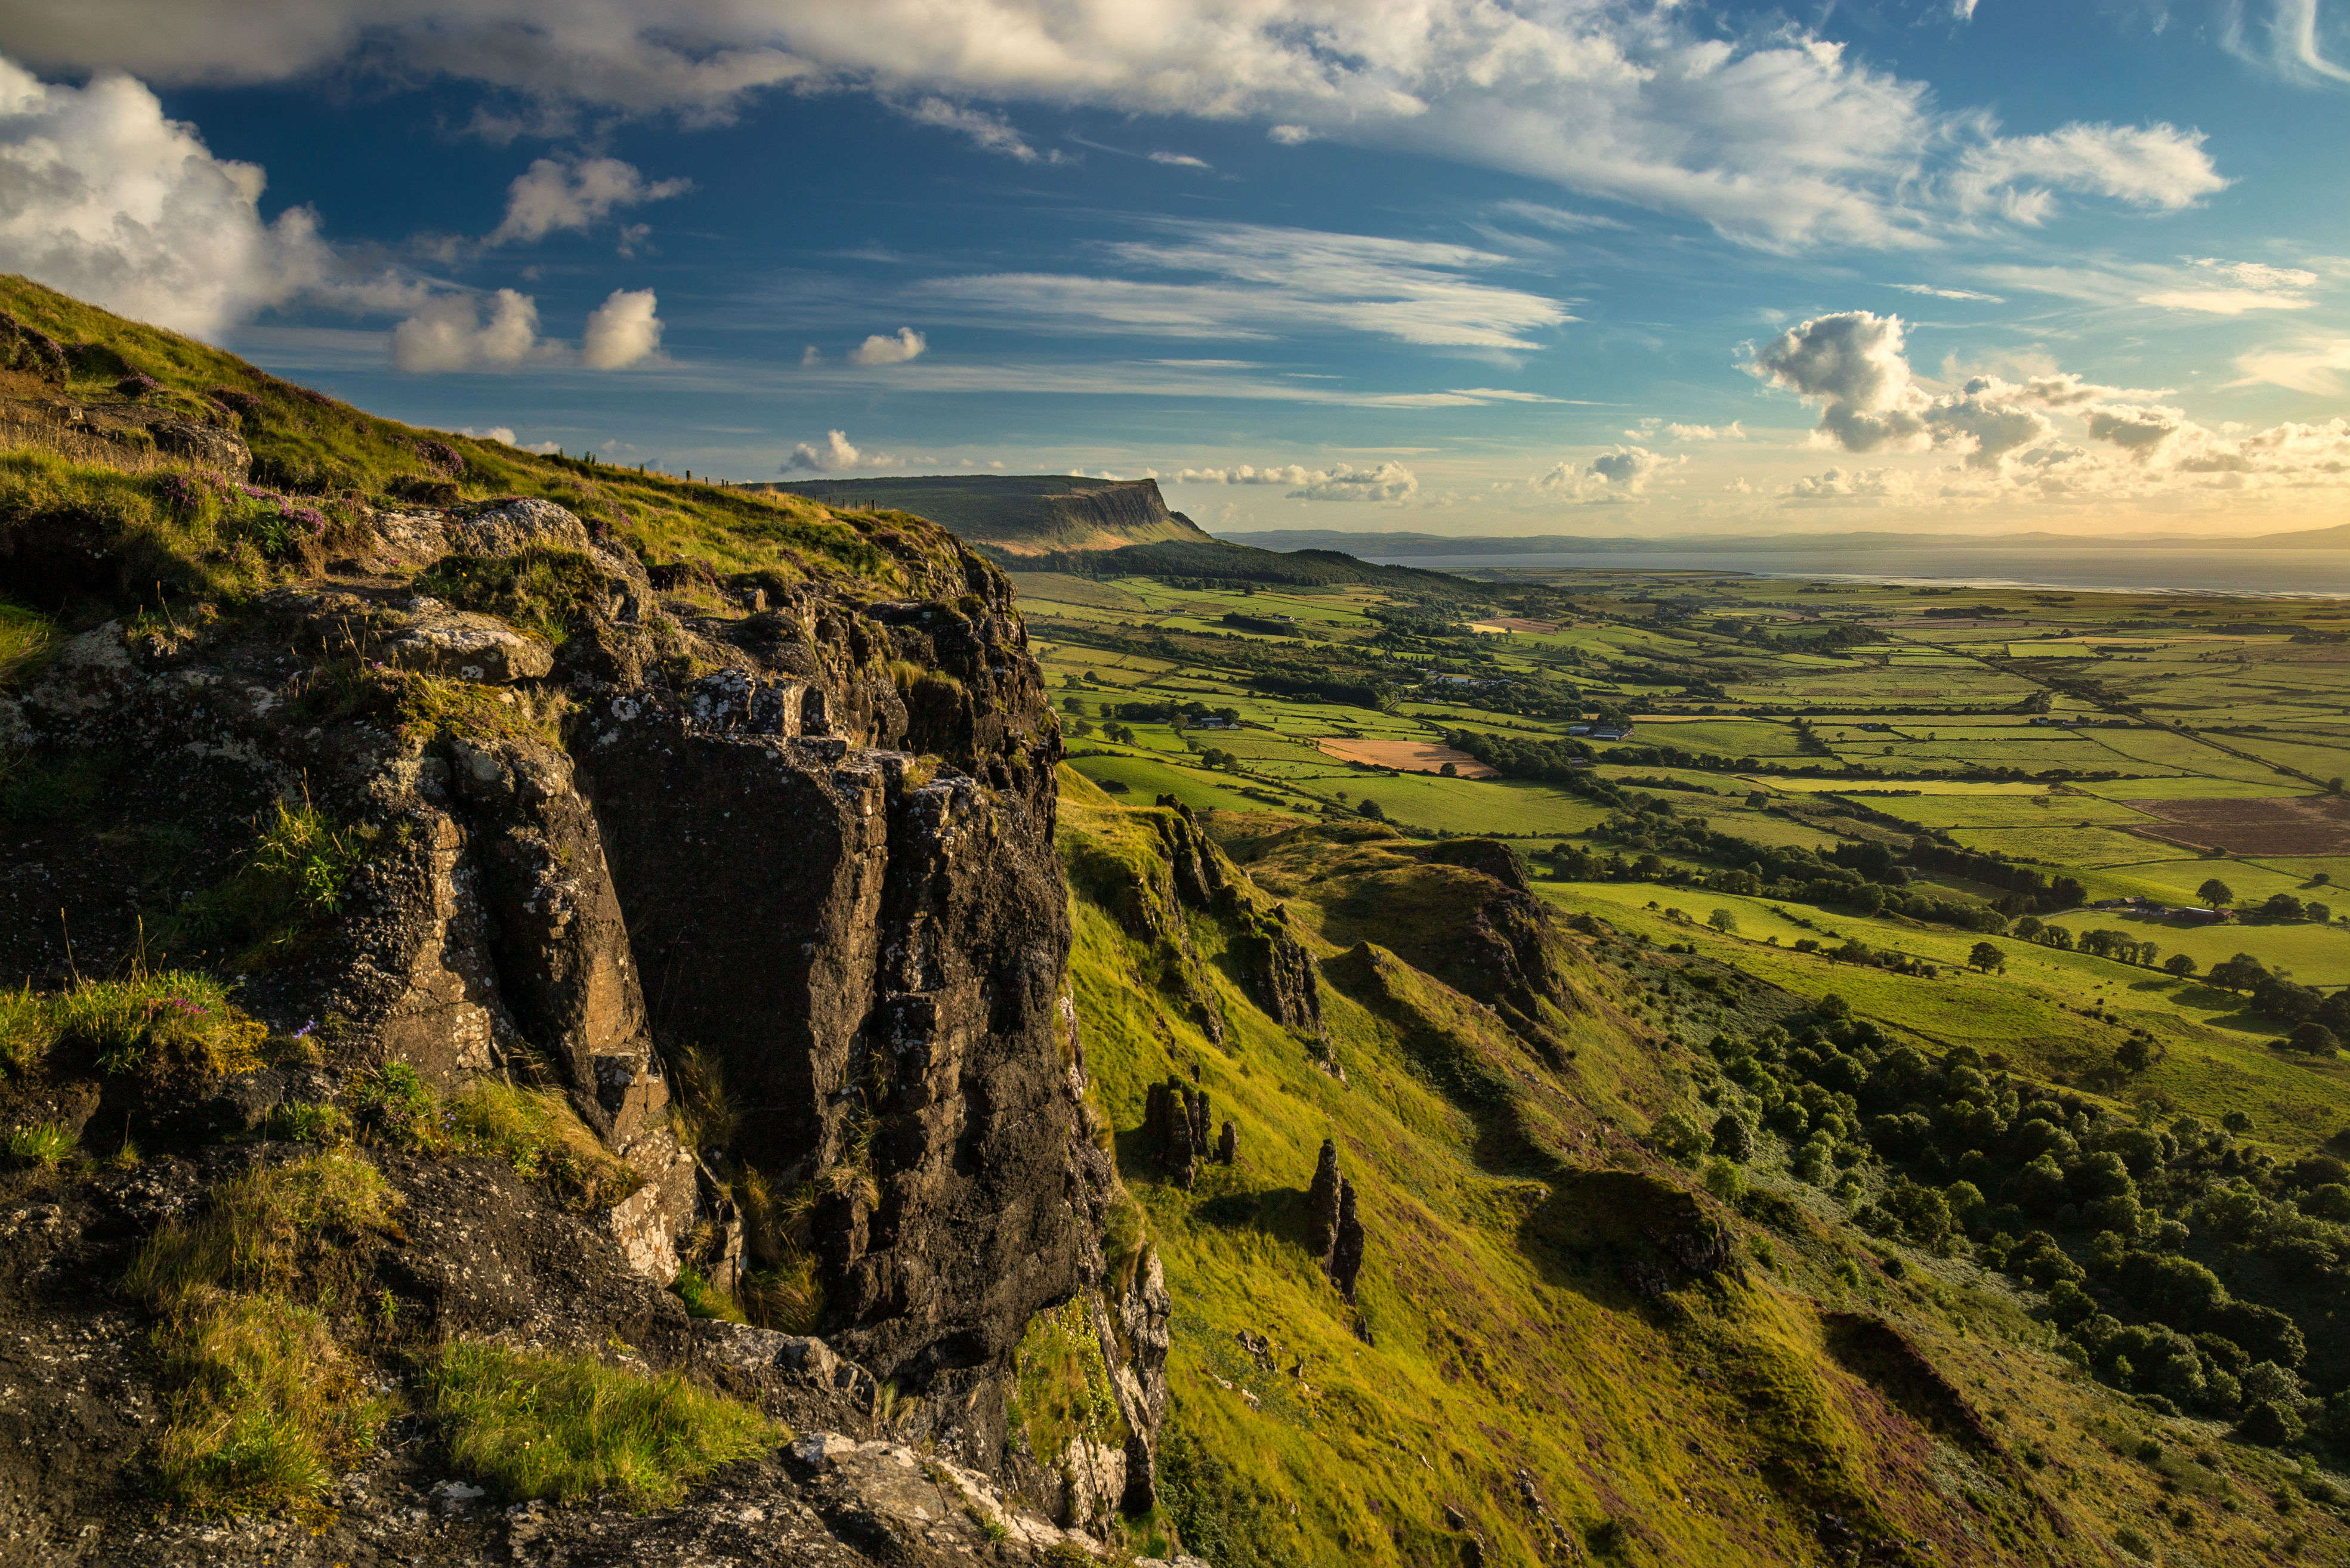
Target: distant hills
{"points": [[1018, 514], [1406, 545]]}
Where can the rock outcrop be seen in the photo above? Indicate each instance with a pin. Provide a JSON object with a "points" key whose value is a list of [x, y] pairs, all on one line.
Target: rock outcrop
{"points": [[813, 843], [1175, 1123]]}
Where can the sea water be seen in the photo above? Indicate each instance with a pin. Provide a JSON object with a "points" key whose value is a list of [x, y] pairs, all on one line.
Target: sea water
{"points": [[2144, 569]]}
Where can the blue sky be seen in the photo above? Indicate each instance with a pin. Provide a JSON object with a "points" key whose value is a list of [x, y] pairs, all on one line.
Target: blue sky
{"points": [[1453, 265]]}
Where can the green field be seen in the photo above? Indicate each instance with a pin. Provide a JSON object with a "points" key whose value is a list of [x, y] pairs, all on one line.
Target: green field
{"points": [[1923, 728]]}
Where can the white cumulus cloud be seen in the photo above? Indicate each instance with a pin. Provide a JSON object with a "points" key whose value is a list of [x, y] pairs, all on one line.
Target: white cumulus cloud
{"points": [[831, 455], [880, 349], [1771, 134], [451, 333], [553, 196], [622, 331], [1618, 474], [2054, 436], [1389, 482], [103, 197]]}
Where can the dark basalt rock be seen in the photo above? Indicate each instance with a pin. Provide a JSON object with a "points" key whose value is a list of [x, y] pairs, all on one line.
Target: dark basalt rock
{"points": [[1346, 1244], [1322, 1201]]}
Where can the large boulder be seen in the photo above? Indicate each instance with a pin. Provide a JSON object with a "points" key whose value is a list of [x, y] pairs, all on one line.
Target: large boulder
{"points": [[467, 646], [524, 523]]}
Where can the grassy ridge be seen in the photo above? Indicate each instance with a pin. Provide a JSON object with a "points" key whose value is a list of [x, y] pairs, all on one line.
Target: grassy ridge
{"points": [[312, 452]]}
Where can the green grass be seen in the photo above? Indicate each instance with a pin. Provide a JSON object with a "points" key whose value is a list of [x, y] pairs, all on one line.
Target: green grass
{"points": [[534, 1130], [266, 1410], [1492, 1341], [568, 1427], [312, 448], [287, 886], [153, 1020], [1061, 1385], [2314, 955], [266, 1406], [44, 1145], [2213, 1058], [28, 638], [544, 592], [306, 1223]]}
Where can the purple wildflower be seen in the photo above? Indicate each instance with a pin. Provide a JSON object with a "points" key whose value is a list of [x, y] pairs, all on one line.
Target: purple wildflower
{"points": [[304, 1032], [309, 517], [235, 400], [137, 384]]}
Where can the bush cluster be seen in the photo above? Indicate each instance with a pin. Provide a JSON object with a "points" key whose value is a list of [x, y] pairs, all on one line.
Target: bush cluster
{"points": [[2182, 1264]]}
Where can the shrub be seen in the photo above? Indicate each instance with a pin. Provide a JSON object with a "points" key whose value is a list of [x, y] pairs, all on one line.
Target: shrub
{"points": [[136, 385], [235, 401], [562, 1427], [1677, 1136]]}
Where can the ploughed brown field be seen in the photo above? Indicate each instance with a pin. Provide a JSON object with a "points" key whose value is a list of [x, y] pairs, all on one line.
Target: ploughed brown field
{"points": [[2300, 825], [1514, 623], [1404, 756]]}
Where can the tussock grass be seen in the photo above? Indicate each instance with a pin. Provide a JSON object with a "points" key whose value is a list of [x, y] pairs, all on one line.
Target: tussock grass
{"points": [[268, 1405], [535, 1131], [784, 1291], [418, 707], [294, 879], [535, 1425], [701, 1110], [171, 1017], [545, 592], [309, 1221], [45, 1145], [28, 638]]}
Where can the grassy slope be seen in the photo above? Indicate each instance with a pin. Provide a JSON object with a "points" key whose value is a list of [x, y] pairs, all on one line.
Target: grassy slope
{"points": [[1711, 1427], [317, 448]]}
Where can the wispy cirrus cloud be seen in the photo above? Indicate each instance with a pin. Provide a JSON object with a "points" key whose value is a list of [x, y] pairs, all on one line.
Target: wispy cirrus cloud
{"points": [[1266, 281], [2208, 285]]}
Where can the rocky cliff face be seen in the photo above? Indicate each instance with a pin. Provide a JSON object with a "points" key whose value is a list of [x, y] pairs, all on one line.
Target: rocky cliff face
{"points": [[1019, 514], [564, 828]]}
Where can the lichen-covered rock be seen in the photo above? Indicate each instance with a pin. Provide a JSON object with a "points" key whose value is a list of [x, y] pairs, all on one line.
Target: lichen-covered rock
{"points": [[526, 522], [468, 646]]}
